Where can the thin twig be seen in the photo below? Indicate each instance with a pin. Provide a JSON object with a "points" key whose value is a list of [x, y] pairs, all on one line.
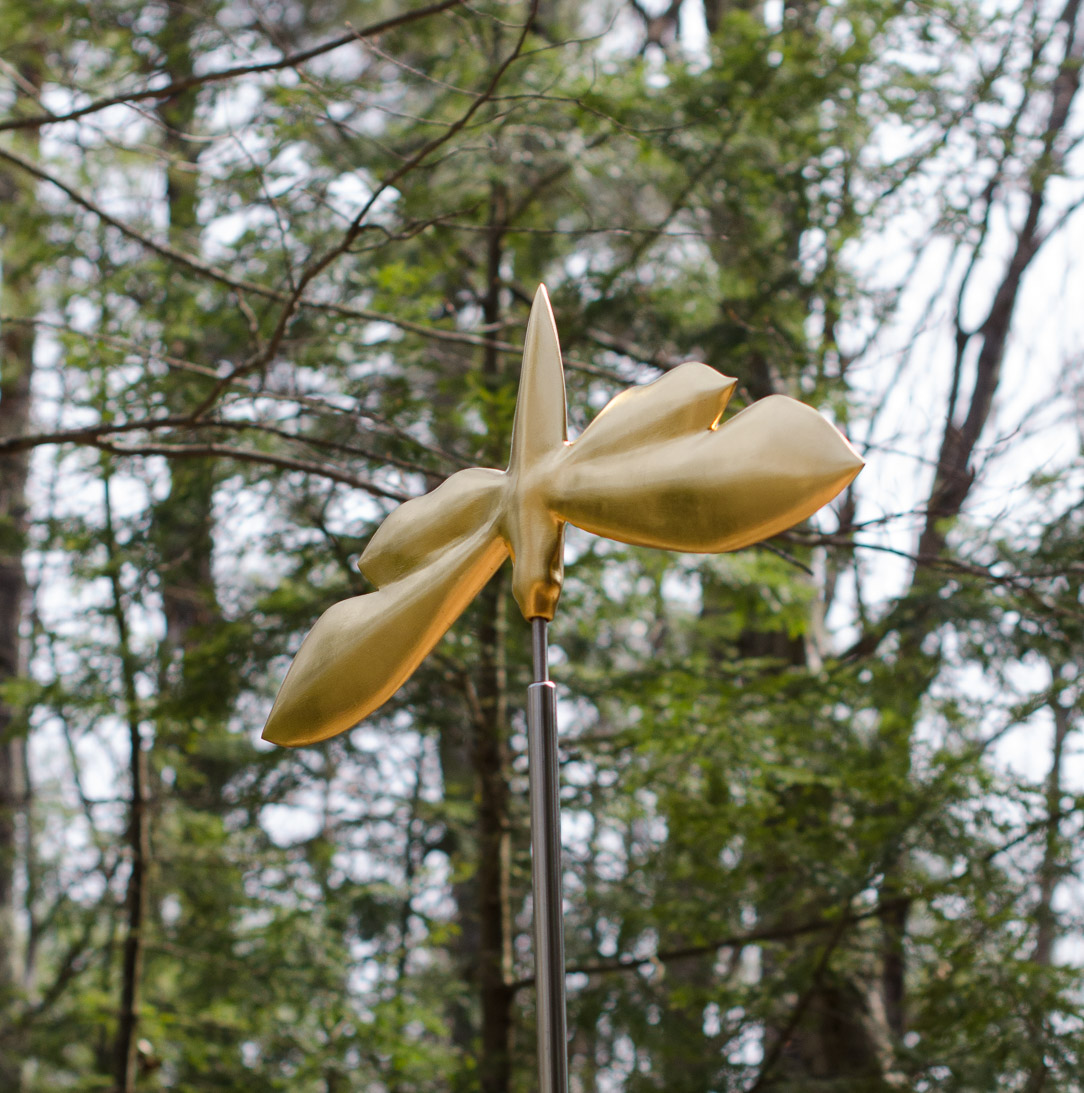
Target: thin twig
{"points": [[177, 87]]}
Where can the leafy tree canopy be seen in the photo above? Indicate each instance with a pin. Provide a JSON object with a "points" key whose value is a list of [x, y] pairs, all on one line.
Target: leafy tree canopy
{"points": [[265, 272]]}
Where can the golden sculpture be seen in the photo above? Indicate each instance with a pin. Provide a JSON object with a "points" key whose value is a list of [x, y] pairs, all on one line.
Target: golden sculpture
{"points": [[654, 468]]}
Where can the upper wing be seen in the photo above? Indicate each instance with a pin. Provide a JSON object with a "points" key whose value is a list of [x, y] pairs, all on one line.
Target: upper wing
{"points": [[655, 468], [430, 558]]}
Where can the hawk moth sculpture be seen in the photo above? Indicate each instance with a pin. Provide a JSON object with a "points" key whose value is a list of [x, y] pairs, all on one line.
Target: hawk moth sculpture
{"points": [[654, 468]]}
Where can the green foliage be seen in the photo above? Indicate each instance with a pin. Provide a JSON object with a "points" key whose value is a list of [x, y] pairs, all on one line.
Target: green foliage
{"points": [[794, 856]]}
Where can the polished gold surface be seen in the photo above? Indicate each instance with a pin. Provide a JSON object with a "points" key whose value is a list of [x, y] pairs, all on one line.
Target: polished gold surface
{"points": [[533, 531], [429, 559], [654, 468]]}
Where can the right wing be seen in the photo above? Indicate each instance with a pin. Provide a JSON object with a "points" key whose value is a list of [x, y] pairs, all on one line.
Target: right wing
{"points": [[656, 469]]}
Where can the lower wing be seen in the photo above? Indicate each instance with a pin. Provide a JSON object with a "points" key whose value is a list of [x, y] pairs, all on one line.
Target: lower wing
{"points": [[362, 650]]}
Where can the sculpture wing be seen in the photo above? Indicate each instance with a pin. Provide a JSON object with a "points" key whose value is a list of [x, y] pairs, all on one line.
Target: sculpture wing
{"points": [[429, 559], [656, 469]]}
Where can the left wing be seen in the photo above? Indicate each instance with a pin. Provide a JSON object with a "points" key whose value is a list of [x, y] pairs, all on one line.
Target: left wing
{"points": [[430, 558]]}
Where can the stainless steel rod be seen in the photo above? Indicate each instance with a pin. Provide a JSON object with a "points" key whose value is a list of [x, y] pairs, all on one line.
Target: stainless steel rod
{"points": [[540, 657], [549, 941]]}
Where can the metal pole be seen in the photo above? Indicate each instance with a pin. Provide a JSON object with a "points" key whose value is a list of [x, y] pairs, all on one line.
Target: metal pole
{"points": [[549, 941]]}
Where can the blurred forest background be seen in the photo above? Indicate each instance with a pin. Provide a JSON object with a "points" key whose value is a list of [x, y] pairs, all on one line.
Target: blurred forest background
{"points": [[266, 270]]}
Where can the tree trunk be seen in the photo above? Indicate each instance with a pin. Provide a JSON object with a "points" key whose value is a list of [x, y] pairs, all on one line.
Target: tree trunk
{"points": [[474, 766], [1054, 866], [16, 353], [18, 302], [124, 1051], [181, 531], [494, 847], [183, 521], [479, 765]]}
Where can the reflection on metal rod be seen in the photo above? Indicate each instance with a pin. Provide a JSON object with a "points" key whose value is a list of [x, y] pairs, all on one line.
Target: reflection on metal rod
{"points": [[549, 949], [540, 656]]}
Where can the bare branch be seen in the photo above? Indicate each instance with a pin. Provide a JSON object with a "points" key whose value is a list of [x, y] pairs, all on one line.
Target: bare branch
{"points": [[244, 455], [196, 265], [320, 263], [954, 477], [177, 87], [779, 932]]}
